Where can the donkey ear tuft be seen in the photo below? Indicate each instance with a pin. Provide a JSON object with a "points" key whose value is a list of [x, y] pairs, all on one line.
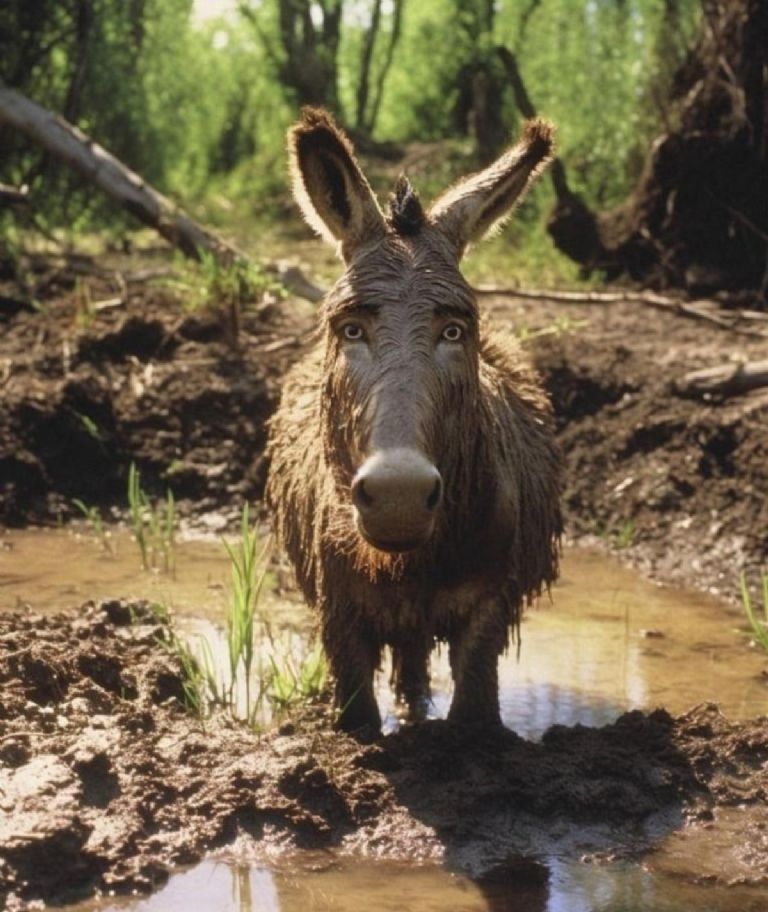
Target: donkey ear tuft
{"points": [[477, 205], [328, 184]]}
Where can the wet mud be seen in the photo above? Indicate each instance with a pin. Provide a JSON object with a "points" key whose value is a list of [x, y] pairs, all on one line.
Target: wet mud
{"points": [[149, 382], [106, 781]]}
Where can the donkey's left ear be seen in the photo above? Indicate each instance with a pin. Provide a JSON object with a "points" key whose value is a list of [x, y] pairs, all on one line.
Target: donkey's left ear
{"points": [[476, 205], [328, 184]]}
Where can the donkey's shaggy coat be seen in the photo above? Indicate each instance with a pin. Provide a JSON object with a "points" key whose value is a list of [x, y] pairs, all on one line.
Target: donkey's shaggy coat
{"points": [[414, 478]]}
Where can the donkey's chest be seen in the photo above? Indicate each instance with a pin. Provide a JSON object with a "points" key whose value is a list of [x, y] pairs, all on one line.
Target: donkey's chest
{"points": [[395, 610]]}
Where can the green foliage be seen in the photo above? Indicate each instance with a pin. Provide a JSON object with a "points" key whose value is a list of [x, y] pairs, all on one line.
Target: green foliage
{"points": [[620, 537], [226, 290], [295, 681], [200, 109], [248, 574], [758, 624], [197, 667], [153, 525]]}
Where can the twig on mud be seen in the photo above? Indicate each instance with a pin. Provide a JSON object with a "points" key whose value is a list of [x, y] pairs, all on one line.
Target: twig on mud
{"points": [[13, 196], [140, 276], [724, 380], [108, 303], [702, 309]]}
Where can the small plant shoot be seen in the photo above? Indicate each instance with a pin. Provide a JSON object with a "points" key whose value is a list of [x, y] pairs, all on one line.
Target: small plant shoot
{"points": [[153, 525]]}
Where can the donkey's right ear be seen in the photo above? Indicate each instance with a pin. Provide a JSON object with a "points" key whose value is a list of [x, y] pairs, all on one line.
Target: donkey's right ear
{"points": [[328, 184]]}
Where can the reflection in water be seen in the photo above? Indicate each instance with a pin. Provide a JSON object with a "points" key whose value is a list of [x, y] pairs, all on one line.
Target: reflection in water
{"points": [[351, 886], [50, 570]]}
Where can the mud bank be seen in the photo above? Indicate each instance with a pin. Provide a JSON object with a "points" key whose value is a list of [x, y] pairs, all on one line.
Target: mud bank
{"points": [[679, 484], [106, 781]]}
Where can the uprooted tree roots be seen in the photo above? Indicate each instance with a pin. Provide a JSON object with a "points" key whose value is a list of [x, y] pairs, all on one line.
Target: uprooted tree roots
{"points": [[698, 218]]}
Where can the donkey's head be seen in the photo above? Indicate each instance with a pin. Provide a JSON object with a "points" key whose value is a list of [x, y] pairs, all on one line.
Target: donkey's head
{"points": [[401, 327]]}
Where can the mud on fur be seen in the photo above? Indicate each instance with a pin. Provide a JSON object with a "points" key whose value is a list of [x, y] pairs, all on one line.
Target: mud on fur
{"points": [[414, 478]]}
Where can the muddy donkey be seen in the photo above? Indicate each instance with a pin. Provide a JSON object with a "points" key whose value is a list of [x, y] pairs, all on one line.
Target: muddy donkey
{"points": [[413, 478]]}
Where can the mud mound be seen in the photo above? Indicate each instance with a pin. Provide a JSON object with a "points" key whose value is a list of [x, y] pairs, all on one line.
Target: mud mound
{"points": [[106, 781], [677, 484], [148, 383]]}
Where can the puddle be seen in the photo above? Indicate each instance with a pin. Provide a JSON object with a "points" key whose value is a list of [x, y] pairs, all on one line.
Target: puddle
{"points": [[347, 886], [610, 641], [52, 570]]}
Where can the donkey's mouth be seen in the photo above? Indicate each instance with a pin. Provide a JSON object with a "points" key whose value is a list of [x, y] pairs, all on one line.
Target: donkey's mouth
{"points": [[395, 545]]}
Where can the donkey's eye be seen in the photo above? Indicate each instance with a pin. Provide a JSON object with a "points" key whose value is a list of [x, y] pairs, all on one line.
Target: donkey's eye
{"points": [[352, 332], [452, 333]]}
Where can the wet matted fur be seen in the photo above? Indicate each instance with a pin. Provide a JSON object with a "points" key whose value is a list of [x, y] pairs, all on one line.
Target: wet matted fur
{"points": [[470, 406]]}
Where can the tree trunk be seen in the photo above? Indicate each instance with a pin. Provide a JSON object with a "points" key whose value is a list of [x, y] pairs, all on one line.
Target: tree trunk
{"points": [[310, 51], [570, 208], [68, 144], [394, 37], [366, 59]]}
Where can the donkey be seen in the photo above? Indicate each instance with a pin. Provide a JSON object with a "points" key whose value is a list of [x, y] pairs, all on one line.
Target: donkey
{"points": [[414, 479]]}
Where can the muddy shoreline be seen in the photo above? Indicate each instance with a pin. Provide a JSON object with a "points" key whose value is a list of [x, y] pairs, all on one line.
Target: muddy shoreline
{"points": [[107, 781]]}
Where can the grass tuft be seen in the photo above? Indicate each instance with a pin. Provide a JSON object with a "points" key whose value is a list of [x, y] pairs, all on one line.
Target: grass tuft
{"points": [[153, 525], [93, 519], [262, 671], [758, 624]]}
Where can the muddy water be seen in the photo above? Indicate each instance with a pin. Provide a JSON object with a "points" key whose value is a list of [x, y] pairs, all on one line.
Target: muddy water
{"points": [[609, 641], [333, 885], [51, 570]]}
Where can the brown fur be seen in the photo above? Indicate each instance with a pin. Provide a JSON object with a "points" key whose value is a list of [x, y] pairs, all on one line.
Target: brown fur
{"points": [[476, 412]]}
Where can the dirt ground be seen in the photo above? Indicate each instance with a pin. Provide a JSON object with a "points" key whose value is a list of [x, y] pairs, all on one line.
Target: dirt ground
{"points": [[678, 484], [105, 781]]}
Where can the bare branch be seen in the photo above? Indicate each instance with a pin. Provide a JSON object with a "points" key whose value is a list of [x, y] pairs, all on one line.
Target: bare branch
{"points": [[724, 380]]}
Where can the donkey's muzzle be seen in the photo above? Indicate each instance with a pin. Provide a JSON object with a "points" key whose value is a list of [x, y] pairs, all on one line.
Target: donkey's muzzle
{"points": [[397, 494]]}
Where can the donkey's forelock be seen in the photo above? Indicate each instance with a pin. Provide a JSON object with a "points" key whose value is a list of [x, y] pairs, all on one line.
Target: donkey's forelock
{"points": [[406, 215]]}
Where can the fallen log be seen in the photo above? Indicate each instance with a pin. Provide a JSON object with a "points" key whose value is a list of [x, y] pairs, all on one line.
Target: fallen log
{"points": [[99, 167], [70, 145], [724, 381], [703, 309], [95, 164]]}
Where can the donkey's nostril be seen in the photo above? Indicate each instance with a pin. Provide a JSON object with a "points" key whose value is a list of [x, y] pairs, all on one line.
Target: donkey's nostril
{"points": [[360, 497], [433, 501]]}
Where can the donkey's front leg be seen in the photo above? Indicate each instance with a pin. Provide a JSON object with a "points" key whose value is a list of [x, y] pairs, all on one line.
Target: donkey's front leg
{"points": [[474, 652], [354, 654]]}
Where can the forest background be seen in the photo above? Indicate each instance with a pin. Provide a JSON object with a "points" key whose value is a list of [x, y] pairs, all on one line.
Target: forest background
{"points": [[196, 98]]}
